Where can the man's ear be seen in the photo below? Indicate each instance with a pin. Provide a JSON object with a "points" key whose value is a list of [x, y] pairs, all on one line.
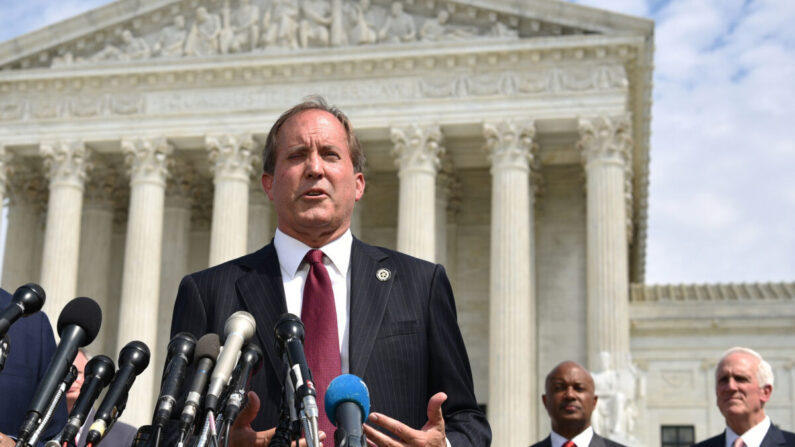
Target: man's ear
{"points": [[359, 179], [767, 390], [267, 184]]}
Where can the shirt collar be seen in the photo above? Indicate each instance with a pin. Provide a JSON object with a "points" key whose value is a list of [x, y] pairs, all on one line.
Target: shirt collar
{"points": [[291, 252], [581, 440], [753, 437]]}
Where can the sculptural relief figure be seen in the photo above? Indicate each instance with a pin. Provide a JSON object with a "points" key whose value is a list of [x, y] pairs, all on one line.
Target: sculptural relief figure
{"points": [[171, 42], [203, 37], [243, 31], [499, 29], [281, 24], [437, 29], [132, 48], [363, 21], [619, 391], [314, 25], [399, 26]]}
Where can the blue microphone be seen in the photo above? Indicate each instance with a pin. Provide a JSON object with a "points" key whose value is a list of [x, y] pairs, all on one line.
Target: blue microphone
{"points": [[347, 407]]}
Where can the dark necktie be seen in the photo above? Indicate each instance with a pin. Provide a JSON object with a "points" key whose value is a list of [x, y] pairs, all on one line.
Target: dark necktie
{"points": [[569, 443], [321, 343]]}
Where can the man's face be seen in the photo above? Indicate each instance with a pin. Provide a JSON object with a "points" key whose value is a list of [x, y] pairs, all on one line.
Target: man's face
{"points": [[737, 388], [74, 390], [569, 397], [314, 186]]}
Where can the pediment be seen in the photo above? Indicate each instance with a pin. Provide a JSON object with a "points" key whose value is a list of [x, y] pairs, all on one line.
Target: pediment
{"points": [[131, 31]]}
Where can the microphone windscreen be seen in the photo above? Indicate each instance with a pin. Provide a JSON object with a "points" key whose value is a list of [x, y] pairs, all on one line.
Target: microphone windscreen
{"points": [[209, 345], [347, 388], [83, 312]]}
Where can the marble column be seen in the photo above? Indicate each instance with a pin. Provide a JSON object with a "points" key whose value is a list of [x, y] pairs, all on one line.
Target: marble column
{"points": [[606, 146], [4, 158], [96, 231], [147, 162], [417, 150], [176, 241], [27, 194], [231, 161], [65, 164], [260, 230], [512, 329], [444, 184]]}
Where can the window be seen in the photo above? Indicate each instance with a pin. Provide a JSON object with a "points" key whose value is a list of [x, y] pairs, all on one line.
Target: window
{"points": [[677, 435]]}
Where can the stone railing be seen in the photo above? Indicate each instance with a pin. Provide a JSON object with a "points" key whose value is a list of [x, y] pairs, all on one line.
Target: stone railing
{"points": [[742, 292]]}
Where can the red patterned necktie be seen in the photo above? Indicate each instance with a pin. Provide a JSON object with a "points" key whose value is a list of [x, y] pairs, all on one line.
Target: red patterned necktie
{"points": [[569, 443], [321, 342]]}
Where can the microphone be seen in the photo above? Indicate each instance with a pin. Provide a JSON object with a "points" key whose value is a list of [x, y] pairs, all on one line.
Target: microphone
{"points": [[78, 325], [180, 354], [289, 332], [207, 349], [239, 327], [347, 407], [133, 359], [249, 364], [26, 301], [98, 374]]}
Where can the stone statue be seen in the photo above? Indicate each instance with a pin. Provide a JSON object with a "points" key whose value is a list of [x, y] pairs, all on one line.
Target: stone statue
{"points": [[363, 29], [281, 24], [437, 29], [619, 391], [399, 26], [171, 42], [314, 25], [243, 30], [499, 29], [132, 48], [203, 39]]}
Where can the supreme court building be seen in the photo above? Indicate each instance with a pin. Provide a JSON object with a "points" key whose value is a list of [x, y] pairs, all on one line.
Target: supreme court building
{"points": [[507, 140]]}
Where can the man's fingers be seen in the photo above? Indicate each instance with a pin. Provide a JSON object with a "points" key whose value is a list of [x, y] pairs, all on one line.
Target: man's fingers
{"points": [[435, 416], [378, 439], [397, 428], [249, 412]]}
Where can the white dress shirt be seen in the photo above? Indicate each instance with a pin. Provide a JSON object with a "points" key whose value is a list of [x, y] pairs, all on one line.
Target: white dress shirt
{"points": [[753, 437], [337, 259], [581, 440]]}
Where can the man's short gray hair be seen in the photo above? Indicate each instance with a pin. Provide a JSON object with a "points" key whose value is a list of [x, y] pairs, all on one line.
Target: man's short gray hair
{"points": [[764, 373]]}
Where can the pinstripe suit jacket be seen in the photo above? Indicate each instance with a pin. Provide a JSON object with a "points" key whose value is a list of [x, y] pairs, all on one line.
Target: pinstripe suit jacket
{"points": [[774, 437], [404, 338], [596, 441]]}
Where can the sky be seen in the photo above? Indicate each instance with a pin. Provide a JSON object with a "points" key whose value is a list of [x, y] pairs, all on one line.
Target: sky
{"points": [[722, 184]]}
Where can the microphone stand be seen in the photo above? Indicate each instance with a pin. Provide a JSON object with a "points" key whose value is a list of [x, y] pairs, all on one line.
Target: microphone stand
{"points": [[4, 348], [71, 375]]}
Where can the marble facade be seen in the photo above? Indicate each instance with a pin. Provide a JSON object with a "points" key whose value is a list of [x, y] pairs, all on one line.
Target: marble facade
{"points": [[509, 141]]}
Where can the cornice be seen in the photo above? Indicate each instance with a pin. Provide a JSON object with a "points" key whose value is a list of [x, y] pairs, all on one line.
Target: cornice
{"points": [[713, 293]]}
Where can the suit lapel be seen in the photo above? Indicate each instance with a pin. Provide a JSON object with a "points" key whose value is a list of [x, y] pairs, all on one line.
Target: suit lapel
{"points": [[261, 291], [369, 298], [773, 438]]}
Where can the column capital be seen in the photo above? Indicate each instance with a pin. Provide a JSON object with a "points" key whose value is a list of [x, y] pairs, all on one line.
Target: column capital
{"points": [[417, 147], [25, 183], [509, 143], [147, 159], [100, 186], [231, 156], [181, 182], [66, 162], [606, 138]]}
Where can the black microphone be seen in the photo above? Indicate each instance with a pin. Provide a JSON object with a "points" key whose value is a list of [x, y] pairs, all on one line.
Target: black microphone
{"points": [[207, 349], [180, 354], [347, 406], [249, 364], [289, 332], [133, 359], [78, 325], [98, 374], [239, 327], [27, 300]]}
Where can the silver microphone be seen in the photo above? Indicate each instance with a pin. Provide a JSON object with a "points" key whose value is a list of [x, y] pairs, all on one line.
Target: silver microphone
{"points": [[239, 327]]}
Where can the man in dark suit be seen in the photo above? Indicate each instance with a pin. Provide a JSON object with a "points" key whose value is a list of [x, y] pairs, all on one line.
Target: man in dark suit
{"points": [[120, 434], [32, 346], [743, 384], [395, 321], [569, 399]]}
